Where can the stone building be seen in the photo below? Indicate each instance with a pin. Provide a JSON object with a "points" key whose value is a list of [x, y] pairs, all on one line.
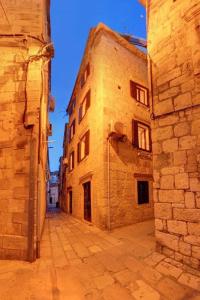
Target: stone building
{"points": [[25, 53], [174, 72], [109, 173], [53, 192]]}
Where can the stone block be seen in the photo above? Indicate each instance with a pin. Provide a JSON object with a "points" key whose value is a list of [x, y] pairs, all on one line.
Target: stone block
{"points": [[14, 242], [183, 101], [180, 158], [181, 129], [195, 184], [188, 214], [159, 224], [189, 200], [171, 196], [169, 120], [178, 227], [194, 228], [162, 133], [163, 107], [192, 239], [187, 142], [185, 248], [195, 127], [170, 92], [190, 280], [170, 145], [163, 210], [196, 252], [167, 240], [181, 181], [167, 182], [176, 72]]}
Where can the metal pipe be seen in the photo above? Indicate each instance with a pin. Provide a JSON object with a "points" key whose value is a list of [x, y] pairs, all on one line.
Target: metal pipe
{"points": [[108, 182]]}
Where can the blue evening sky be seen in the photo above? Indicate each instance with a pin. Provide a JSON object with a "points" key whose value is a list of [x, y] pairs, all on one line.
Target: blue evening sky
{"points": [[70, 25]]}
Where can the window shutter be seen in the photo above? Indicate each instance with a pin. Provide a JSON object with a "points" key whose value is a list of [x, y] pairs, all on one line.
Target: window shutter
{"points": [[78, 152], [82, 81], [88, 100], [133, 89], [135, 133], [80, 114], [150, 141], [87, 143], [74, 125], [88, 70], [72, 159], [69, 134], [148, 97]]}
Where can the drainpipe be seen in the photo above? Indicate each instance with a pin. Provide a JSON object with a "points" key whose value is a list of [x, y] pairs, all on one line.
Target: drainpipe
{"points": [[108, 181]]}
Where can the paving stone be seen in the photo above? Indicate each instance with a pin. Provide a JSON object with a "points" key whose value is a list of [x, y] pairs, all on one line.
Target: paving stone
{"points": [[168, 269], [173, 290], [115, 292], [102, 281], [145, 292], [94, 249], [190, 280]]}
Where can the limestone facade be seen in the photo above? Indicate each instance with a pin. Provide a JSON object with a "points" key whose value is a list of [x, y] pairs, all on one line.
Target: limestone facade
{"points": [[107, 175], [24, 88], [174, 72]]}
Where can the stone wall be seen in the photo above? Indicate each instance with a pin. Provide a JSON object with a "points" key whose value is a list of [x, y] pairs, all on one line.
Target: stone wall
{"points": [[174, 69], [24, 86]]}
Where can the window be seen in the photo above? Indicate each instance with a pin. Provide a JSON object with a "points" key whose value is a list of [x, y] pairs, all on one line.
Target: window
{"points": [[84, 106], [141, 136], [71, 161], [83, 147], [72, 130], [143, 192], [85, 75], [140, 93], [72, 107]]}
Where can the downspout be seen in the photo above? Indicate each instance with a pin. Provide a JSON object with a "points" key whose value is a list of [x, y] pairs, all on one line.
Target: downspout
{"points": [[108, 182]]}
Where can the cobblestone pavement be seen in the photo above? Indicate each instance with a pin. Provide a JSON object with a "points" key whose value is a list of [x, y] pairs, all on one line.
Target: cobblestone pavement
{"points": [[79, 261]]}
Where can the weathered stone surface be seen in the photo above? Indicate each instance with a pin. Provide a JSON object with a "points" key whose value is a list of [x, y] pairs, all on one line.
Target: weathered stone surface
{"points": [[170, 145], [190, 215], [171, 196], [187, 142], [189, 200], [163, 210], [182, 101], [180, 158], [167, 182], [181, 129], [181, 181], [168, 240], [185, 248], [178, 227]]}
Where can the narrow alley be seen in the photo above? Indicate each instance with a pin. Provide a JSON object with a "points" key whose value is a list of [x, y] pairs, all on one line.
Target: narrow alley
{"points": [[79, 261]]}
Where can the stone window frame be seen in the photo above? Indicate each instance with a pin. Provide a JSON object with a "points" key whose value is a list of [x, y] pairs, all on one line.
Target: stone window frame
{"points": [[136, 89], [135, 139], [149, 179]]}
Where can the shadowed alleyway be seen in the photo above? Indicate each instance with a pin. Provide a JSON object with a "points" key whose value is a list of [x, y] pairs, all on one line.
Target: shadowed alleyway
{"points": [[79, 261]]}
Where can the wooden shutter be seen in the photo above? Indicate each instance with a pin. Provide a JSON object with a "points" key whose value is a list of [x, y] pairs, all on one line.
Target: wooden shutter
{"points": [[70, 134], [87, 143], [135, 133], [80, 114], [88, 69], [82, 81], [74, 125], [148, 97], [79, 152], [150, 141], [133, 89], [72, 159], [88, 100]]}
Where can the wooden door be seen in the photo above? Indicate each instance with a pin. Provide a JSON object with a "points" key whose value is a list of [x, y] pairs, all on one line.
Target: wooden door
{"points": [[87, 201]]}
